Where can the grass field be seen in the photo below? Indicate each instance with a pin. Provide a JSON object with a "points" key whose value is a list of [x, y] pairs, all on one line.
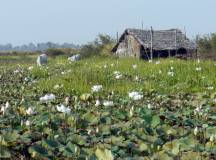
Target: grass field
{"points": [[170, 112]]}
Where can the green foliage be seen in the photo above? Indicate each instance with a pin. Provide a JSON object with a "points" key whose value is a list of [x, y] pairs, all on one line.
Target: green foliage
{"points": [[102, 45], [207, 44], [158, 126]]}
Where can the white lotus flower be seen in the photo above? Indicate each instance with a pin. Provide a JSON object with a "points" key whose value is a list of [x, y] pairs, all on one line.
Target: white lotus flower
{"points": [[16, 71], [196, 131], [134, 66], [5, 108], [170, 73], [30, 111], [212, 138], [135, 95], [96, 88], [157, 62], [108, 103], [28, 123], [61, 108], [198, 60], [97, 130], [210, 88], [198, 109], [89, 132], [116, 72], [149, 106], [198, 68], [67, 100], [47, 98], [30, 68], [119, 76], [137, 78], [131, 112], [97, 103]]}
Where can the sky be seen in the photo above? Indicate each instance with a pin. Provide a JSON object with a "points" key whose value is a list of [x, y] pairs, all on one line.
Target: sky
{"points": [[80, 21]]}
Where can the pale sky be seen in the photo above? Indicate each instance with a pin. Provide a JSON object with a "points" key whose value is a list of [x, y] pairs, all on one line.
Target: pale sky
{"points": [[79, 21]]}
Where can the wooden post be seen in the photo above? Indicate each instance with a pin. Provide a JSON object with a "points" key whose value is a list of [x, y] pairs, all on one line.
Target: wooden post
{"points": [[169, 53], [151, 51], [117, 37], [175, 41]]}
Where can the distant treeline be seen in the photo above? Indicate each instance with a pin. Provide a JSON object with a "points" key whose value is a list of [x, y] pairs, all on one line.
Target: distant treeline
{"points": [[31, 47], [206, 44]]}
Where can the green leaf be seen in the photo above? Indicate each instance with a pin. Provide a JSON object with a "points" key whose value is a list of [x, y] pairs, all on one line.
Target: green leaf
{"points": [[38, 151], [91, 118], [4, 152], [103, 154], [155, 121], [143, 147]]}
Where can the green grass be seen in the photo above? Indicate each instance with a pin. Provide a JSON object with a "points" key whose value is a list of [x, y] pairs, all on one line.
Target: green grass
{"points": [[81, 76]]}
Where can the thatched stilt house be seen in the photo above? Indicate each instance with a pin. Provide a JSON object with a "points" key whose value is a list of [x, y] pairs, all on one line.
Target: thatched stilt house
{"points": [[147, 44]]}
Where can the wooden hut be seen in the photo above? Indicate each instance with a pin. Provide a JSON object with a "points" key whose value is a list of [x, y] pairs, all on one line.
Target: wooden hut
{"points": [[148, 44]]}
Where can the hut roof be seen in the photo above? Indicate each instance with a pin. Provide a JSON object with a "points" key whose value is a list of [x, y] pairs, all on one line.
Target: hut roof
{"points": [[162, 39]]}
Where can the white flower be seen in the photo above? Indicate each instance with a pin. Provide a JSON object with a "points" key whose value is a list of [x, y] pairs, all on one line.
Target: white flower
{"points": [[212, 138], [210, 88], [135, 95], [116, 72], [108, 103], [131, 112], [56, 136], [119, 76], [196, 130], [149, 106], [97, 103], [170, 73], [30, 111], [5, 108], [134, 66], [198, 69], [96, 88], [97, 130], [16, 71], [157, 62], [198, 110], [89, 132], [137, 78], [61, 108], [105, 66], [198, 60], [150, 61], [28, 123], [62, 73], [67, 100], [30, 68], [160, 72], [171, 68], [112, 65], [47, 98]]}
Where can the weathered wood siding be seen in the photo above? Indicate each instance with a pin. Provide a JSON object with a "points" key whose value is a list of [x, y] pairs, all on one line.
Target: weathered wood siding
{"points": [[129, 47]]}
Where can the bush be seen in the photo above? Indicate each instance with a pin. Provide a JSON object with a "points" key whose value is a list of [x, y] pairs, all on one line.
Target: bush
{"points": [[102, 45], [207, 44]]}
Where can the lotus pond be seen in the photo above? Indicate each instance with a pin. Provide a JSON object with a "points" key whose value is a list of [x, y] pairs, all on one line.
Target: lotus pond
{"points": [[107, 108]]}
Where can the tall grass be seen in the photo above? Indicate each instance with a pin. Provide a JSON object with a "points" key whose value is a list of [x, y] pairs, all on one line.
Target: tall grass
{"points": [[80, 76]]}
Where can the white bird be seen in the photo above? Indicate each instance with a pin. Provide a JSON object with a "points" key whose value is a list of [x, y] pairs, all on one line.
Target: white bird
{"points": [[135, 95]]}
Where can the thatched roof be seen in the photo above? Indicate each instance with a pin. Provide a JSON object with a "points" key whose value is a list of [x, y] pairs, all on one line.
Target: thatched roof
{"points": [[162, 39]]}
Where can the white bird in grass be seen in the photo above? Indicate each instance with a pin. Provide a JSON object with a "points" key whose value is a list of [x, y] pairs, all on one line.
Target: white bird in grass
{"points": [[5, 108]]}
